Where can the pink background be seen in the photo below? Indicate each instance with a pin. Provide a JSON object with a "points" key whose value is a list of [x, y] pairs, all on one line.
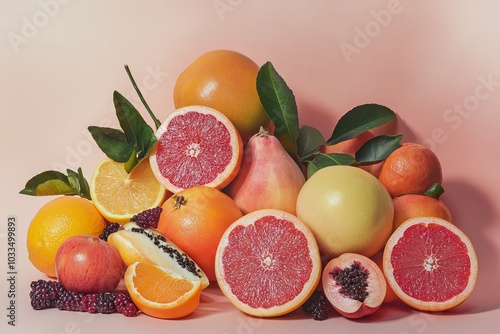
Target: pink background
{"points": [[436, 64]]}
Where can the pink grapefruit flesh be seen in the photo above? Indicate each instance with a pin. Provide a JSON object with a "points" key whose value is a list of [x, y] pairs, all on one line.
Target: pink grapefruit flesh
{"points": [[197, 145], [268, 263], [430, 264]]}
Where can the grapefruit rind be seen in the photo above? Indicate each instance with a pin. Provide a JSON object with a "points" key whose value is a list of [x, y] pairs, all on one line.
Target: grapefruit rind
{"points": [[307, 289], [231, 169], [430, 305]]}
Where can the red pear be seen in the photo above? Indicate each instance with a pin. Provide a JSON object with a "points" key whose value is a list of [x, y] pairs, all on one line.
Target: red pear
{"points": [[268, 178]]}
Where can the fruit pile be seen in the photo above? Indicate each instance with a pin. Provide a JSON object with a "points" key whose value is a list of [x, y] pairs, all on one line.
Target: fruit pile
{"points": [[230, 189]]}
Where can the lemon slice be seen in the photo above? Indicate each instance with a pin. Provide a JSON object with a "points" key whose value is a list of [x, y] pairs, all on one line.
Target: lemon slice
{"points": [[119, 195]]}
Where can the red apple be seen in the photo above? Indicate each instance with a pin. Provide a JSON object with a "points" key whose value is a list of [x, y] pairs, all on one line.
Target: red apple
{"points": [[88, 264], [354, 285]]}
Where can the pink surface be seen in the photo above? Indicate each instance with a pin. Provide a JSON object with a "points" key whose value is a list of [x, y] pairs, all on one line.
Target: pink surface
{"points": [[436, 64]]}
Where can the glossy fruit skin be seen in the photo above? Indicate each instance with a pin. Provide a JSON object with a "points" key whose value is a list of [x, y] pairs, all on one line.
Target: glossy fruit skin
{"points": [[418, 205], [268, 177], [56, 221], [411, 168], [349, 146], [348, 307], [347, 209], [88, 264], [224, 80], [197, 225]]}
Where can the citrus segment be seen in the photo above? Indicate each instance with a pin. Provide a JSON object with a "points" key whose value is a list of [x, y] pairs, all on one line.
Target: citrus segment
{"points": [[119, 195], [268, 263], [196, 146], [430, 264], [161, 293], [55, 222]]}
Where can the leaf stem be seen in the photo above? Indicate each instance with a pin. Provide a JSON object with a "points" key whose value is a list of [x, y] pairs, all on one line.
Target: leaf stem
{"points": [[155, 120]]}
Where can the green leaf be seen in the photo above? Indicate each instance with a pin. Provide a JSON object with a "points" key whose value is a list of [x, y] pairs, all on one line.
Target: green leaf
{"points": [[377, 149], [322, 160], [435, 191], [137, 132], [112, 142], [360, 119], [53, 182], [309, 141], [279, 104], [79, 184]]}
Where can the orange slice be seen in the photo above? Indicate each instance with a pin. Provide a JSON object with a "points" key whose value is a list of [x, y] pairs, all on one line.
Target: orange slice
{"points": [[119, 195], [161, 293], [197, 146]]}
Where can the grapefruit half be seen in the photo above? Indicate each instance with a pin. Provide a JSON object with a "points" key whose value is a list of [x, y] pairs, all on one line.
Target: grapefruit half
{"points": [[268, 263], [197, 146], [430, 264]]}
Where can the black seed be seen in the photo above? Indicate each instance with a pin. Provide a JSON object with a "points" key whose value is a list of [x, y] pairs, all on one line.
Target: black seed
{"points": [[353, 279]]}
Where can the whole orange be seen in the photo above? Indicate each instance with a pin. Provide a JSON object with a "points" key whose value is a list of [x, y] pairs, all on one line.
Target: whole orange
{"points": [[224, 80], [195, 219], [56, 221], [418, 205], [349, 146], [411, 168]]}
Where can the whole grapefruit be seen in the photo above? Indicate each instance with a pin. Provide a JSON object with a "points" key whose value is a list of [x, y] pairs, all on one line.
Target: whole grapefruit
{"points": [[347, 209], [224, 80]]}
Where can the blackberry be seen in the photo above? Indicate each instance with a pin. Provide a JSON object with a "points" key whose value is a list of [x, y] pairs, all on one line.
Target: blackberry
{"points": [[124, 305], [52, 294], [318, 306], [109, 229], [68, 300], [43, 293], [148, 218], [99, 303]]}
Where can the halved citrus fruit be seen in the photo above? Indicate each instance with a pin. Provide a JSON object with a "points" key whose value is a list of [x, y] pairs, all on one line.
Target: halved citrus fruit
{"points": [[267, 263], [119, 195], [136, 244], [161, 293], [430, 264], [197, 146]]}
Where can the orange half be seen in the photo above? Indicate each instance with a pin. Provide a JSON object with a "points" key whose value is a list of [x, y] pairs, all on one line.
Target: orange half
{"points": [[161, 293]]}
